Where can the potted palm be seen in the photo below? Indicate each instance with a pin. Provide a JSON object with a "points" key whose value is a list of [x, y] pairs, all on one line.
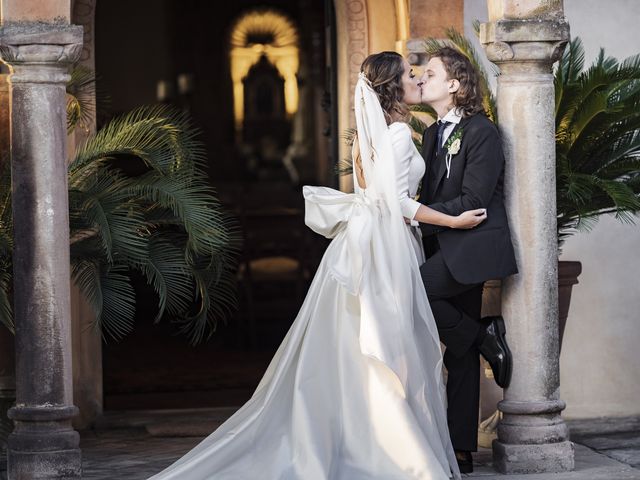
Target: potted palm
{"points": [[597, 148]]}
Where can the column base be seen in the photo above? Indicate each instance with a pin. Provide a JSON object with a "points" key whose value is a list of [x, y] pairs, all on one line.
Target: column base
{"points": [[534, 458], [7, 400], [43, 444], [64, 464]]}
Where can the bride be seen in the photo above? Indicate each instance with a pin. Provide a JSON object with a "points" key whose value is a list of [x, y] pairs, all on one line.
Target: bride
{"points": [[355, 390]]}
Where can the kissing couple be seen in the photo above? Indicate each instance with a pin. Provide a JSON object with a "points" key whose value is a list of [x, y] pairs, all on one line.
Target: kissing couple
{"points": [[356, 390]]}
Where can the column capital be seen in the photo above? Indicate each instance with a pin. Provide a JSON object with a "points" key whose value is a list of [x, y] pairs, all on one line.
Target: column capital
{"points": [[50, 46], [525, 40]]}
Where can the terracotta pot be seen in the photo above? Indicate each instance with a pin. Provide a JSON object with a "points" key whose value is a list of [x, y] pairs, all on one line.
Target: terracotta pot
{"points": [[568, 273], [490, 394]]}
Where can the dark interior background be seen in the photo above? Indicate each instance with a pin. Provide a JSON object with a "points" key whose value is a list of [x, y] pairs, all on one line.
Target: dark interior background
{"points": [[158, 41]]}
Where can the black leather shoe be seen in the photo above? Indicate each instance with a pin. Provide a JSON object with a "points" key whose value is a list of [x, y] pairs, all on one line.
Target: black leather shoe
{"points": [[465, 461], [495, 350]]}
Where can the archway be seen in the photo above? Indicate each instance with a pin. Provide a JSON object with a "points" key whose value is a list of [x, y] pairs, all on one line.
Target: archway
{"points": [[270, 34]]}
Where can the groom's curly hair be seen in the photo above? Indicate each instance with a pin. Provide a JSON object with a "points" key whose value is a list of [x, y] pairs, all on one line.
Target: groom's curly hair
{"points": [[384, 70], [468, 98]]}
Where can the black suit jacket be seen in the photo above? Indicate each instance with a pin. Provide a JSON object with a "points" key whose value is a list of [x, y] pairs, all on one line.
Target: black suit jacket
{"points": [[475, 181]]}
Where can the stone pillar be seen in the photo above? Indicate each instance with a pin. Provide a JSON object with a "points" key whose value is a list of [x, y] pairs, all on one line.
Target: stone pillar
{"points": [[86, 341], [7, 355], [7, 391], [5, 121], [353, 44], [525, 38], [43, 443]]}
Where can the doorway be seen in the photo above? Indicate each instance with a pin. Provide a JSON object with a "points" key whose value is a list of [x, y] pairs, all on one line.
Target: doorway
{"points": [[283, 135]]}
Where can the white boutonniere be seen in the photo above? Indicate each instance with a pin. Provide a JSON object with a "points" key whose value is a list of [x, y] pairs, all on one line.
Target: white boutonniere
{"points": [[454, 142]]}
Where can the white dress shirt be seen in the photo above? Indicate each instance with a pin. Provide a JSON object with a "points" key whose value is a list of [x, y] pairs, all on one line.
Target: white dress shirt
{"points": [[453, 117]]}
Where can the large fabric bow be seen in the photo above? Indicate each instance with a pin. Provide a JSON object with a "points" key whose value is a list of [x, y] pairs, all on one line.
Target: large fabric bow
{"points": [[332, 213]]}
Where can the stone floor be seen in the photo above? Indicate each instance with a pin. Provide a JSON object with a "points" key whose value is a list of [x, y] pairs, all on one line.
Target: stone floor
{"points": [[136, 445]]}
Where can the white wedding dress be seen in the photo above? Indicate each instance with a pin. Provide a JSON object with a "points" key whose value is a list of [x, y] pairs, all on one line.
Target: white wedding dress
{"points": [[355, 390]]}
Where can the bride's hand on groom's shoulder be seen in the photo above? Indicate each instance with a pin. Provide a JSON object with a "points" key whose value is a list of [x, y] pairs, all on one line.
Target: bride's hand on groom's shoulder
{"points": [[470, 219]]}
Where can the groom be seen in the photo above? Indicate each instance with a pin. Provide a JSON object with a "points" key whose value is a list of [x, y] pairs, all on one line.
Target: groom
{"points": [[465, 170]]}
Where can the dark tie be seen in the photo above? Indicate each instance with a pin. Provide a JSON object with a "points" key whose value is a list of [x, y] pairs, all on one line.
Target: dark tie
{"points": [[441, 127]]}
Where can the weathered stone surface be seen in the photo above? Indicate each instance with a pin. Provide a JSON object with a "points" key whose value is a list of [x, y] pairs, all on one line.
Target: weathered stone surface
{"points": [[121, 448], [7, 361], [611, 440], [603, 426], [431, 18], [524, 39], [589, 465], [29, 10], [554, 457], [525, 9], [43, 443], [87, 342], [630, 456]]}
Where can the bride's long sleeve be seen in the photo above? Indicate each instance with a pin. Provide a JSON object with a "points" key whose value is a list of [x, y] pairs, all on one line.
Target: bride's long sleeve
{"points": [[403, 150]]}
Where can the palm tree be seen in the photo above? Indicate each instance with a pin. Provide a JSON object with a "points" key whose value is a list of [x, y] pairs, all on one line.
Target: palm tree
{"points": [[597, 139], [6, 247], [140, 204]]}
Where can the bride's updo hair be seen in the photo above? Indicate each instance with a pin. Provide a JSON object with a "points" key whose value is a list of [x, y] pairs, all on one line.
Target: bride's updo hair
{"points": [[384, 71]]}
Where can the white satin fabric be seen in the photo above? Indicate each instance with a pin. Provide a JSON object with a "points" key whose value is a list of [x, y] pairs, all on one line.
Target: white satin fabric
{"points": [[355, 390], [410, 169]]}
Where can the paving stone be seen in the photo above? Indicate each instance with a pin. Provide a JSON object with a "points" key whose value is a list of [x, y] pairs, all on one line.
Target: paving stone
{"points": [[611, 440], [152, 455], [602, 425], [630, 456], [590, 465], [175, 428], [125, 450]]}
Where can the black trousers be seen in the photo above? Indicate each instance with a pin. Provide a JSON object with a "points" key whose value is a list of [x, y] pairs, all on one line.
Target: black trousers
{"points": [[456, 308]]}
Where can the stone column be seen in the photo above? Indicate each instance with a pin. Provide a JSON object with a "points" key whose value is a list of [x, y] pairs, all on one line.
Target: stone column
{"points": [[353, 44], [5, 120], [86, 341], [43, 443], [525, 38], [7, 368], [7, 391]]}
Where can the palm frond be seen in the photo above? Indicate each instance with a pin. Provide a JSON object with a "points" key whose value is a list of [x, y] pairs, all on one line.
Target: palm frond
{"points": [[5, 197], [162, 137], [597, 139], [6, 248], [344, 167], [191, 201], [85, 272], [164, 223], [216, 298], [116, 319], [6, 310], [84, 99], [81, 94], [169, 275]]}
